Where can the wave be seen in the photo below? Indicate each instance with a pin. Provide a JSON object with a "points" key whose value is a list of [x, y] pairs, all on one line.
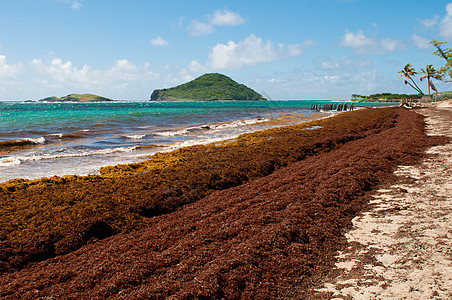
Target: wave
{"points": [[9, 161], [23, 142], [219, 126], [188, 143], [313, 127], [136, 136], [17, 160]]}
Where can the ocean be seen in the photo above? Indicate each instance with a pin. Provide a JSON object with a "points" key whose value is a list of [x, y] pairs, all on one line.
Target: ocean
{"points": [[45, 139]]}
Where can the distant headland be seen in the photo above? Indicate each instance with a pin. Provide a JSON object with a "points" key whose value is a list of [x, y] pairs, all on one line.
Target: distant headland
{"points": [[208, 87], [77, 98]]}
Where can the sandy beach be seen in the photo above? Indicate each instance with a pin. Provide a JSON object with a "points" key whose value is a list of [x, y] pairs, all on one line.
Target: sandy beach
{"points": [[401, 247]]}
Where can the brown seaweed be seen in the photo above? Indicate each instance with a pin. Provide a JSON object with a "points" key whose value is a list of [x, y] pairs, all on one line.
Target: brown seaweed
{"points": [[125, 197]]}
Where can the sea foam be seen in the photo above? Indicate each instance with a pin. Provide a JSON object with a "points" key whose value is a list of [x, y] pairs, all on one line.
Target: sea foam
{"points": [[16, 160]]}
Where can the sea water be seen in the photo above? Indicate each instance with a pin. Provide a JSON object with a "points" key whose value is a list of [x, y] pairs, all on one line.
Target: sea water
{"points": [[45, 139]]}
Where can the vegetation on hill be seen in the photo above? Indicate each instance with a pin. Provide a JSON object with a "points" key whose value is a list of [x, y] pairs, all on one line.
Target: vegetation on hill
{"points": [[385, 97], [77, 98], [208, 87]]}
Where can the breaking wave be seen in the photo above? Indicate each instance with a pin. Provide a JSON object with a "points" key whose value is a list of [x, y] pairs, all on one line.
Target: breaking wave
{"points": [[23, 142], [219, 126], [17, 160]]}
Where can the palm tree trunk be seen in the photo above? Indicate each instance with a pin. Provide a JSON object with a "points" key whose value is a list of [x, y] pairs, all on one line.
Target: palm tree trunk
{"points": [[418, 89], [415, 88]]}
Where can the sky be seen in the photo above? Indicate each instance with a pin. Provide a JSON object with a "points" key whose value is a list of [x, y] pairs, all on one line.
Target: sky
{"points": [[285, 50]]}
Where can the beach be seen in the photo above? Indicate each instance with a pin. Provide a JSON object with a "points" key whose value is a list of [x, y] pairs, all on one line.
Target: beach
{"points": [[266, 215], [400, 248]]}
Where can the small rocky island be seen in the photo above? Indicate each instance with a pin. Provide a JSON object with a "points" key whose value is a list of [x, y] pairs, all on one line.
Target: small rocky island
{"points": [[208, 87], [77, 98]]}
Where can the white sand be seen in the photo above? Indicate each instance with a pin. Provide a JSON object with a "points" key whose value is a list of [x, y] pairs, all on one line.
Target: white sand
{"points": [[402, 247]]}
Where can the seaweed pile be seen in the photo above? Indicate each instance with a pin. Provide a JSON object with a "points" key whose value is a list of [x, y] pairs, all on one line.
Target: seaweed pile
{"points": [[260, 220]]}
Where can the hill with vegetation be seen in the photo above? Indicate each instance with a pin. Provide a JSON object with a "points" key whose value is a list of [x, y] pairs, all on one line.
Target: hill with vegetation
{"points": [[385, 97], [208, 87], [389, 97], [77, 98]]}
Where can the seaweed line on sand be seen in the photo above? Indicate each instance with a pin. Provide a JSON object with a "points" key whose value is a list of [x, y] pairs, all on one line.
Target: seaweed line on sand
{"points": [[272, 237]]}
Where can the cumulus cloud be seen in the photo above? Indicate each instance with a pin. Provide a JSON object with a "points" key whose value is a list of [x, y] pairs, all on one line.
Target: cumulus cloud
{"points": [[249, 52], [76, 5], [430, 23], [196, 67], [121, 73], [356, 40], [368, 45], [8, 71], [346, 64], [158, 41], [197, 28], [63, 71], [445, 28], [226, 18], [221, 17], [420, 42]]}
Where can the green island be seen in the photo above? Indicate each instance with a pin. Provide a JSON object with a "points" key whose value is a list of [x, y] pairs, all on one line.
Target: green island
{"points": [[77, 98], [208, 87]]}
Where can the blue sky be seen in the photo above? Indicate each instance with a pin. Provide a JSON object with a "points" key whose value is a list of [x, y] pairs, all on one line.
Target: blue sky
{"points": [[303, 49]]}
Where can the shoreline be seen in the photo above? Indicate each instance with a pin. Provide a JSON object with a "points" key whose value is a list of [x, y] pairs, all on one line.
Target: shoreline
{"points": [[279, 199], [126, 154]]}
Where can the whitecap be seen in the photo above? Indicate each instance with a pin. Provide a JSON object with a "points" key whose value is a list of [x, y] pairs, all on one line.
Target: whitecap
{"points": [[17, 160], [40, 140], [136, 136], [9, 161], [172, 133]]}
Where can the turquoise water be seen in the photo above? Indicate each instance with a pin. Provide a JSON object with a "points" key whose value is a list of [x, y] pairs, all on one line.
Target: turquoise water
{"points": [[79, 138]]}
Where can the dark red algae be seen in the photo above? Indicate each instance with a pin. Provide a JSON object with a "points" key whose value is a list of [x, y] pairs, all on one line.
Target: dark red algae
{"points": [[273, 237]]}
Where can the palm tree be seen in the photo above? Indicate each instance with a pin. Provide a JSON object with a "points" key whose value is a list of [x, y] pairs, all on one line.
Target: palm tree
{"points": [[406, 73], [430, 73], [446, 54]]}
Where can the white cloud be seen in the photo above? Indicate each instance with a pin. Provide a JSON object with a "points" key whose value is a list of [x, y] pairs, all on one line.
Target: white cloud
{"points": [[121, 73], [196, 67], [197, 28], [63, 71], [249, 52], [344, 63], [220, 17], [306, 83], [420, 42], [76, 5], [387, 44], [356, 40], [366, 45], [430, 23], [294, 50], [8, 71], [158, 41], [445, 28], [226, 18]]}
